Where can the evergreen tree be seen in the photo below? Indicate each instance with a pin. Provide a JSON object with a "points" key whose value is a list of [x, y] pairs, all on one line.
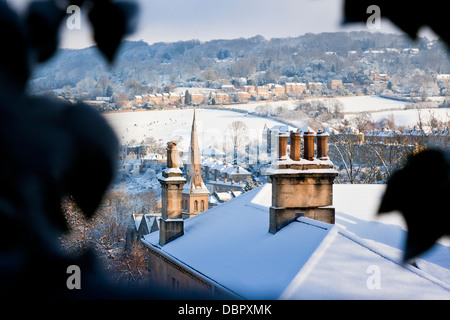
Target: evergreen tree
{"points": [[187, 98], [109, 91]]}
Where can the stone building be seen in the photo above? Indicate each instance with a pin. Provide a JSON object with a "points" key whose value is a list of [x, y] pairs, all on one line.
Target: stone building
{"points": [[243, 96], [334, 84], [301, 186], [172, 182], [315, 86], [221, 97], [295, 89]]}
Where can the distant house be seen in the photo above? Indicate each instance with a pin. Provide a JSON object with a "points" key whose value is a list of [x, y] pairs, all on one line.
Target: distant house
{"points": [[262, 91], [228, 88], [294, 88], [444, 77], [235, 174], [315, 86], [243, 96], [379, 76], [137, 101], [107, 99], [221, 97], [249, 88], [334, 84], [223, 196], [212, 152], [277, 89], [197, 98]]}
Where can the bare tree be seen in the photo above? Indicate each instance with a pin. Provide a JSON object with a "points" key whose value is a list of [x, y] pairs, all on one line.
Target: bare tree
{"points": [[238, 133], [345, 149], [109, 233]]}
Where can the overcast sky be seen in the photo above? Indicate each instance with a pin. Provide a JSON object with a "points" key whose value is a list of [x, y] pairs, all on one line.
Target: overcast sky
{"points": [[174, 20]]}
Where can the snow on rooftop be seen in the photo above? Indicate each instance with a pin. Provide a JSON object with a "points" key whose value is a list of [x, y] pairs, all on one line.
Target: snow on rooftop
{"points": [[246, 255], [327, 275], [211, 151], [230, 244]]}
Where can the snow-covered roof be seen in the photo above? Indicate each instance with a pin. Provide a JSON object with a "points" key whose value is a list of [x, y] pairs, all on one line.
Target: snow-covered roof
{"points": [[280, 128], [307, 129], [190, 188], [224, 196], [331, 131], [137, 218], [212, 199], [236, 193], [208, 162], [218, 166], [235, 170], [153, 156], [230, 245], [382, 133], [443, 76], [211, 151]]}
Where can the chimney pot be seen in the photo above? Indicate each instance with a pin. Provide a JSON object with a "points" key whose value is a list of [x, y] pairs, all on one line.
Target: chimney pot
{"points": [[322, 145], [172, 155], [282, 145], [295, 145], [308, 145]]}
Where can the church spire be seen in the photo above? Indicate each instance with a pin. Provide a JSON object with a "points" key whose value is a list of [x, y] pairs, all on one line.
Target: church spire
{"points": [[194, 158], [195, 193]]}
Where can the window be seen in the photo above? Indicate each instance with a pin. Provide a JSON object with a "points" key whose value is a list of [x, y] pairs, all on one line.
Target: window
{"points": [[195, 205], [202, 205]]}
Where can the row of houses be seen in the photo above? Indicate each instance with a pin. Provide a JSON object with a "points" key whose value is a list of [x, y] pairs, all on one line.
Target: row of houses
{"points": [[408, 136], [231, 94], [414, 135]]}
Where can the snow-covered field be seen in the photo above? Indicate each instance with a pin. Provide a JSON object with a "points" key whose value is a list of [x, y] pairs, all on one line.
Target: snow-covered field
{"points": [[411, 117], [351, 104], [165, 125]]}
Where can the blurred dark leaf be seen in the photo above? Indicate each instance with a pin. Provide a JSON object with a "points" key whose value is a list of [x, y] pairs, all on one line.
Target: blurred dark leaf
{"points": [[420, 191], [50, 149], [42, 21], [408, 16], [112, 21], [14, 62]]}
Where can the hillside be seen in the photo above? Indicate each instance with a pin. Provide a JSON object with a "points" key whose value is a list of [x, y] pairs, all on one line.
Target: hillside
{"points": [[349, 56]]}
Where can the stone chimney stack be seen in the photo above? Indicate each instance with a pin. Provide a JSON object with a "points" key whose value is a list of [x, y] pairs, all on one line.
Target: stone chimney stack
{"points": [[172, 182], [302, 187]]}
